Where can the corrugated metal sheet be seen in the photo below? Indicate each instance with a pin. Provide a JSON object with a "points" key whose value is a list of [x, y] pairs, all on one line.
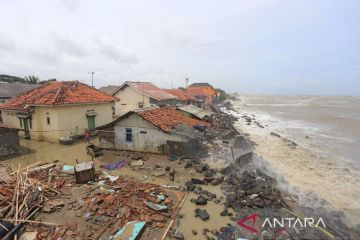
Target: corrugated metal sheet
{"points": [[198, 112]]}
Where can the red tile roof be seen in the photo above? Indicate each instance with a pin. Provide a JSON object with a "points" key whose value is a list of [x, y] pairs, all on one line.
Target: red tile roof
{"points": [[180, 94], [57, 93], [149, 89], [196, 92], [167, 118]]}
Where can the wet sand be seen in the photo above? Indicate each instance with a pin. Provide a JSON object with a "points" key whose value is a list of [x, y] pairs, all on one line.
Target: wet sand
{"points": [[311, 177]]}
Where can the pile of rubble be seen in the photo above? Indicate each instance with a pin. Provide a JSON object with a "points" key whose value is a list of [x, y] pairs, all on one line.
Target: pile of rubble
{"points": [[22, 196], [95, 210], [252, 189]]}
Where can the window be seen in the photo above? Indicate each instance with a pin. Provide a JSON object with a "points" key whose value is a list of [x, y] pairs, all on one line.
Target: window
{"points": [[128, 135], [140, 104], [143, 132], [30, 122], [48, 120], [20, 122]]}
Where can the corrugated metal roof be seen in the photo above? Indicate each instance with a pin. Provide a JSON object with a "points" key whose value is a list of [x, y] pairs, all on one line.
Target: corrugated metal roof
{"points": [[199, 112], [111, 89], [9, 90]]}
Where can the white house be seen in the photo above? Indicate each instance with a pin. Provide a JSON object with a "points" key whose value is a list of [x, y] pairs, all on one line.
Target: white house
{"points": [[149, 130], [137, 95]]}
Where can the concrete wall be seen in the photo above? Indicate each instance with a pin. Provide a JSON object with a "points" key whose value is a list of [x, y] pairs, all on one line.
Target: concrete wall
{"points": [[129, 100], [11, 119], [145, 136], [189, 149], [9, 142], [65, 120]]}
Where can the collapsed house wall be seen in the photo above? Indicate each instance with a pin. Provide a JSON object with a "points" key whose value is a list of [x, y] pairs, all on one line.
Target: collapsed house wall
{"points": [[191, 149], [9, 141]]}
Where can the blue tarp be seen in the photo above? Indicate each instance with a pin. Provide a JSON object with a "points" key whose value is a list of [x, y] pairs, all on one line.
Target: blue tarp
{"points": [[130, 231], [114, 165]]}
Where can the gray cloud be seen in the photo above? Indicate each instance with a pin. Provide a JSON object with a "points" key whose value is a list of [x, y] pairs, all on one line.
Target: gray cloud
{"points": [[236, 45], [116, 53], [71, 5], [6, 43], [68, 46], [184, 38]]}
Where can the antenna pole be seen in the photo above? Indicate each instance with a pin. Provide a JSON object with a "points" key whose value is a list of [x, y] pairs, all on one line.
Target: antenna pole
{"points": [[186, 85], [92, 78]]}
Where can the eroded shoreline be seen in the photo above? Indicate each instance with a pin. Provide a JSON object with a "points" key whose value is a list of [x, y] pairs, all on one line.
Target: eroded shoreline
{"points": [[318, 182]]}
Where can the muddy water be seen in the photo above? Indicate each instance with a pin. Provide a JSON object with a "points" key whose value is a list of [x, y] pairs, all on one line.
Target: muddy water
{"points": [[48, 152], [67, 154], [189, 222]]}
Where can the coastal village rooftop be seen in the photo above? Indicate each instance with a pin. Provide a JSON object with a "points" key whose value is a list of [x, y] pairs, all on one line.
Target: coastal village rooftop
{"points": [[57, 93]]}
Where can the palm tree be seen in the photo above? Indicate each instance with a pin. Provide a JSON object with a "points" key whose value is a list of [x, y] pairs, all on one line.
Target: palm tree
{"points": [[31, 79]]}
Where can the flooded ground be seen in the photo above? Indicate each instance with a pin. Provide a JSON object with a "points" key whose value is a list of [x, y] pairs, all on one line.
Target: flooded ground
{"points": [[44, 152]]}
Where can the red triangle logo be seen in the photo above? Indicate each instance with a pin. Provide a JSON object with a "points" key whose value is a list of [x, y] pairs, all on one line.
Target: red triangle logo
{"points": [[251, 228]]}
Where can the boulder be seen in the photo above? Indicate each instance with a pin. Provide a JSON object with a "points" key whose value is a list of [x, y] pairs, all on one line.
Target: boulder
{"points": [[201, 200], [202, 214]]}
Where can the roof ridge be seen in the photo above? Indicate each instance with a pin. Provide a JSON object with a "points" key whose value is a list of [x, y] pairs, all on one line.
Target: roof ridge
{"points": [[56, 95]]}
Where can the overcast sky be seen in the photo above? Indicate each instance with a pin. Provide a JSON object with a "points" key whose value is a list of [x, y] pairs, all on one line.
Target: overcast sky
{"points": [[249, 46]]}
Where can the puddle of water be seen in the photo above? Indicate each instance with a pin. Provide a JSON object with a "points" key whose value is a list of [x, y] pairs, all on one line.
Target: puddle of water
{"points": [[67, 154], [48, 152]]}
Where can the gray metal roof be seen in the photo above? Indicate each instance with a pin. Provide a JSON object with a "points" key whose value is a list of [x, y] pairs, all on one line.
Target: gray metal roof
{"points": [[9, 90], [198, 112], [111, 89]]}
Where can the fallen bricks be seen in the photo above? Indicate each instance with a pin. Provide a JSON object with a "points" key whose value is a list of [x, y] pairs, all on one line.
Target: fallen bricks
{"points": [[101, 207]]}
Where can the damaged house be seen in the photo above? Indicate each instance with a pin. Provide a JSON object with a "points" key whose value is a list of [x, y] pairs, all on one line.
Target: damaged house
{"points": [[155, 130], [137, 95], [9, 141], [195, 112], [203, 92], [183, 97], [58, 109]]}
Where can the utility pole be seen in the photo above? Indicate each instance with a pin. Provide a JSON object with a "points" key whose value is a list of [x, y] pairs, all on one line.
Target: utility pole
{"points": [[92, 78], [186, 85]]}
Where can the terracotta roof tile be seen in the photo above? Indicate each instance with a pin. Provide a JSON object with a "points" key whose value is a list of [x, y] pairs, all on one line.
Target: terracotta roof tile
{"points": [[180, 94], [167, 118], [197, 92], [57, 93], [150, 89]]}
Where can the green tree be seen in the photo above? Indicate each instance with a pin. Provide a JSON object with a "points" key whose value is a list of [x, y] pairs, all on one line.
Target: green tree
{"points": [[31, 79]]}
